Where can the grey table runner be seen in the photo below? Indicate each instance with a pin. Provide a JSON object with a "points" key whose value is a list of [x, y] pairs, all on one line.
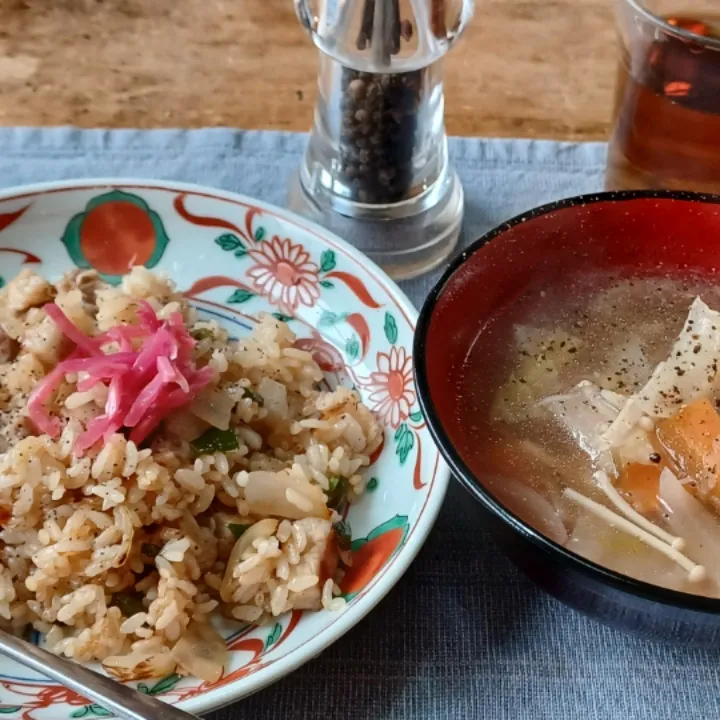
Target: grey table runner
{"points": [[463, 635]]}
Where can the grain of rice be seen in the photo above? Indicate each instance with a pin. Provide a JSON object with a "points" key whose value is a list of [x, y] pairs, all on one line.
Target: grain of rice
{"points": [[78, 399], [251, 438], [299, 537], [221, 463], [247, 613], [255, 576], [241, 478], [190, 480], [282, 569], [168, 616], [132, 624], [131, 459], [314, 424], [174, 551], [292, 554], [206, 607], [247, 565], [230, 487], [204, 500], [219, 361], [279, 599], [327, 593], [284, 531], [302, 582]]}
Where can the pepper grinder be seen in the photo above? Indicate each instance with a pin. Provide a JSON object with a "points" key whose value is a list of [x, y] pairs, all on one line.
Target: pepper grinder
{"points": [[376, 169]]}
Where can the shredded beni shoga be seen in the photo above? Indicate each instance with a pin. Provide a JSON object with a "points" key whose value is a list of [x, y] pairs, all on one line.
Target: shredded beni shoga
{"points": [[656, 453], [147, 368]]}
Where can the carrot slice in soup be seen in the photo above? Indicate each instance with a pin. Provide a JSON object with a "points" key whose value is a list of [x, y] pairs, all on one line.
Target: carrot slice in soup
{"points": [[640, 484], [691, 438]]}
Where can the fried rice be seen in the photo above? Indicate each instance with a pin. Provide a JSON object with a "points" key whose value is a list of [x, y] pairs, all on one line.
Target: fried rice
{"points": [[124, 551]]}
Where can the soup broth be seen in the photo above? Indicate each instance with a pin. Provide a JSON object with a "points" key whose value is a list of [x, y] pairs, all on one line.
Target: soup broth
{"points": [[547, 414]]}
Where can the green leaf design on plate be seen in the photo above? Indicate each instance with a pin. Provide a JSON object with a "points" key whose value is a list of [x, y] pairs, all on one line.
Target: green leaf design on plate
{"points": [[2, 282], [117, 196], [372, 484], [327, 284], [161, 686], [416, 416], [240, 296], [394, 523], [161, 239], [282, 318], [228, 242], [327, 261], [352, 348], [10, 709], [242, 252], [274, 635], [329, 319], [99, 711], [390, 327], [259, 234], [71, 241], [405, 441]]}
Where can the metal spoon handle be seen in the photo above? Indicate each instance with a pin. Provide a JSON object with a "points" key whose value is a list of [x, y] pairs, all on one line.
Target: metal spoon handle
{"points": [[123, 701]]}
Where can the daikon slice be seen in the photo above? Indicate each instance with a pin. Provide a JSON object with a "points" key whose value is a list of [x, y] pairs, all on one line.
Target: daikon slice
{"points": [[586, 412], [690, 372]]}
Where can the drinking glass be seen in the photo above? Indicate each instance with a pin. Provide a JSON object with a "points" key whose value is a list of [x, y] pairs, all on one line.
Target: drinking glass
{"points": [[666, 123]]}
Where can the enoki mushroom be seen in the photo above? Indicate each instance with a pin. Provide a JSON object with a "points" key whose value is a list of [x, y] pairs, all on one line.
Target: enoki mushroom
{"points": [[696, 572]]}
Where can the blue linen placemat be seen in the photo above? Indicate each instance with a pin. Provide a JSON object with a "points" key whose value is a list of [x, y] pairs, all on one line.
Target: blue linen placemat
{"points": [[463, 635]]}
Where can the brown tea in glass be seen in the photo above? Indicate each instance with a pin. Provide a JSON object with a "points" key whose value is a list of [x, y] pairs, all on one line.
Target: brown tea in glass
{"points": [[666, 125]]}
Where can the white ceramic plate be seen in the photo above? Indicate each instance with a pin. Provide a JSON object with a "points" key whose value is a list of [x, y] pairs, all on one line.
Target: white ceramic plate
{"points": [[235, 257]]}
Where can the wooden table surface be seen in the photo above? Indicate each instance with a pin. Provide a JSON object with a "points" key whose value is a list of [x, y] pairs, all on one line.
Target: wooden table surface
{"points": [[532, 68]]}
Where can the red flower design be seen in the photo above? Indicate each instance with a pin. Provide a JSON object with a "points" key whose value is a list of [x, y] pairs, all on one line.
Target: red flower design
{"points": [[284, 273], [391, 386]]}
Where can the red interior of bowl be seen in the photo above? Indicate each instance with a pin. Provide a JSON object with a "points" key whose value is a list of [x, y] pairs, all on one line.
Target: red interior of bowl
{"points": [[641, 235]]}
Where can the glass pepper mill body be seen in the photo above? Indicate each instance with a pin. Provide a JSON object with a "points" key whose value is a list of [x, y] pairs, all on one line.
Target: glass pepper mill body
{"points": [[376, 169]]}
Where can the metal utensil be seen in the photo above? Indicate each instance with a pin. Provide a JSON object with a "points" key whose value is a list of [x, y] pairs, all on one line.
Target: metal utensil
{"points": [[123, 701]]}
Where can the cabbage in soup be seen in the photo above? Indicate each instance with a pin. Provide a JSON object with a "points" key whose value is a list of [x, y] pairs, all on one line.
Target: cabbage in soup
{"points": [[591, 411]]}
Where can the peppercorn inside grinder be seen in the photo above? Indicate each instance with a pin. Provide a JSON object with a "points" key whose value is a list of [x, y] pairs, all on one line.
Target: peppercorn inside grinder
{"points": [[376, 169]]}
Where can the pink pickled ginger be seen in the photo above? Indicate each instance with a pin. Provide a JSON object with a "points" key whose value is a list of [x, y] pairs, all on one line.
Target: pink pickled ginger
{"points": [[144, 385]]}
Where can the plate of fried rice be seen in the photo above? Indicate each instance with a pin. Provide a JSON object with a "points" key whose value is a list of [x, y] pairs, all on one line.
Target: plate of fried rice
{"points": [[212, 459]]}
